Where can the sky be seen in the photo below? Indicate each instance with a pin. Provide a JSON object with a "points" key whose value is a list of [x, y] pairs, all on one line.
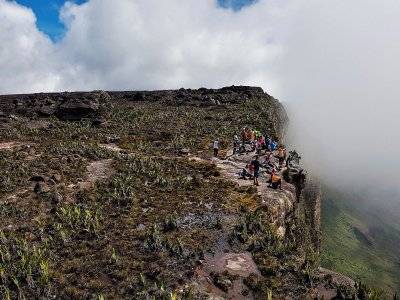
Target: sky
{"points": [[47, 16], [48, 21], [334, 64]]}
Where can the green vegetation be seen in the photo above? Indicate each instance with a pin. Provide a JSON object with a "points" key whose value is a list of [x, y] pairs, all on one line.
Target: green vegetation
{"points": [[359, 241], [80, 241]]}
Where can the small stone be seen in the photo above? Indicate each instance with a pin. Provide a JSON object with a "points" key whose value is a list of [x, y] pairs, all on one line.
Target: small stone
{"points": [[41, 188], [52, 182], [8, 228], [29, 236], [184, 151], [281, 231], [140, 227], [37, 178], [56, 198], [56, 177]]}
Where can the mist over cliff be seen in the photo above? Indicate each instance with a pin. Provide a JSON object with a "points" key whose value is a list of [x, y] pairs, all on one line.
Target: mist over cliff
{"points": [[339, 82]]}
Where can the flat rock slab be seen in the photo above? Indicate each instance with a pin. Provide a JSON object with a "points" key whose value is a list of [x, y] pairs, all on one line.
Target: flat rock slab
{"points": [[96, 171], [112, 147], [278, 202], [239, 264]]}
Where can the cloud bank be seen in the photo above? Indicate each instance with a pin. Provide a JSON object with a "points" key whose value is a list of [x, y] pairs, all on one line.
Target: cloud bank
{"points": [[333, 63], [340, 75], [144, 44]]}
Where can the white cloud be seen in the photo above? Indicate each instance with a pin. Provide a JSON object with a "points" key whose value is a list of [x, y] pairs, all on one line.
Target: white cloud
{"points": [[27, 61], [340, 75], [152, 44], [143, 44]]}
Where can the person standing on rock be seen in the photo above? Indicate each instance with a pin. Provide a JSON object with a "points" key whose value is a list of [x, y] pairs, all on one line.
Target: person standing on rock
{"points": [[216, 147], [244, 135], [256, 164], [251, 136], [235, 144]]}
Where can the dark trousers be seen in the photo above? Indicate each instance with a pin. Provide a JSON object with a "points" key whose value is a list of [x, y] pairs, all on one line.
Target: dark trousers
{"points": [[215, 152]]}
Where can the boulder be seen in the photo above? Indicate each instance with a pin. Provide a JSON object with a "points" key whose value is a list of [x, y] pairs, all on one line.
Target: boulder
{"points": [[47, 111], [78, 106], [248, 148], [77, 109]]}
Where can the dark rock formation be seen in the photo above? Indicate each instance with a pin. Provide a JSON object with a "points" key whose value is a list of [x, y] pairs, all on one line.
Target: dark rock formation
{"points": [[67, 106]]}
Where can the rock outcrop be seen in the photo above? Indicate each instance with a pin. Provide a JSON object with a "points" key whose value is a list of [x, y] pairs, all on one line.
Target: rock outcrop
{"points": [[66, 106]]}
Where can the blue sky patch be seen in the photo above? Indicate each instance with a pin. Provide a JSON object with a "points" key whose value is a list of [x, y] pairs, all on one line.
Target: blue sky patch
{"points": [[235, 4], [47, 13]]}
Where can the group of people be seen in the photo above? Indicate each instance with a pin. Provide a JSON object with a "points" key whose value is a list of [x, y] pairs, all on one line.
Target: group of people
{"points": [[275, 160], [255, 139], [274, 169]]}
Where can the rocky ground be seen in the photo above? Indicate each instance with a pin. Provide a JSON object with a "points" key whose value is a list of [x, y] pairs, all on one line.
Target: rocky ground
{"points": [[115, 196]]}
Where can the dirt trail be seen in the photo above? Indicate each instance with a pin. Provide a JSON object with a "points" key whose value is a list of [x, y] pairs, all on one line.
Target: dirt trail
{"points": [[13, 144]]}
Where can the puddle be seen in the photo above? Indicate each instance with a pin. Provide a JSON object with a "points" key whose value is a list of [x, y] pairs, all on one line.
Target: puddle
{"points": [[195, 220]]}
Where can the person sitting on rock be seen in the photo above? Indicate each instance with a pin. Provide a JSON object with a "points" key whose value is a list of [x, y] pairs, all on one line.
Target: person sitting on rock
{"points": [[251, 169], [270, 160], [276, 179], [254, 145], [273, 146], [245, 174]]}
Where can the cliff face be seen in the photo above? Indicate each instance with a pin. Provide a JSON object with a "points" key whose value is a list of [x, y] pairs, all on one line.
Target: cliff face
{"points": [[158, 208]]}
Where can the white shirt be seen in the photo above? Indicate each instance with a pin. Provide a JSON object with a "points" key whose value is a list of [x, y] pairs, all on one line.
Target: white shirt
{"points": [[216, 143]]}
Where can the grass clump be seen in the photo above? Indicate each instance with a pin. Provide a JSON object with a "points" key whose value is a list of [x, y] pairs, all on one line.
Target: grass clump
{"points": [[24, 268]]}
